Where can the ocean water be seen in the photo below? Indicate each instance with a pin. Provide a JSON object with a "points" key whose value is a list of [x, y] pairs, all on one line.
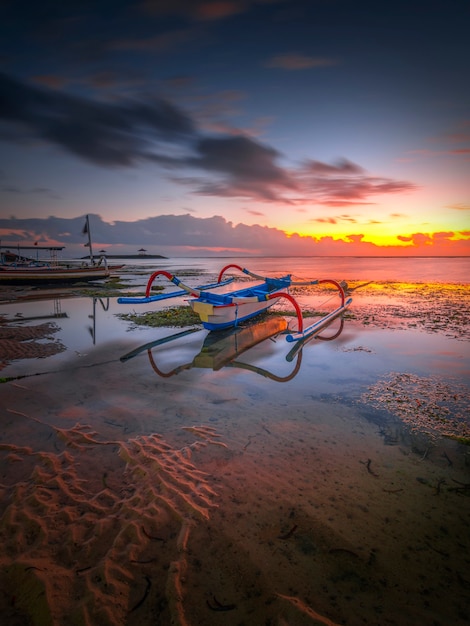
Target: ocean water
{"points": [[403, 269]]}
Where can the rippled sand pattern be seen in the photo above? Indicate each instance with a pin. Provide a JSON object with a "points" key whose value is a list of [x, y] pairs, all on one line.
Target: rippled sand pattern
{"points": [[27, 342], [85, 517]]}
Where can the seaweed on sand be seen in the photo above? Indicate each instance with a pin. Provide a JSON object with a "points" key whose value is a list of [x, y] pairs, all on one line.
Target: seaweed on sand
{"points": [[178, 316]]}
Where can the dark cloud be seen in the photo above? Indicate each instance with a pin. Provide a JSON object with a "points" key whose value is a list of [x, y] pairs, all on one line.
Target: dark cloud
{"points": [[157, 43], [52, 81], [104, 133], [247, 168], [345, 183], [210, 10], [125, 132], [242, 158], [41, 190], [241, 189], [343, 167], [299, 62]]}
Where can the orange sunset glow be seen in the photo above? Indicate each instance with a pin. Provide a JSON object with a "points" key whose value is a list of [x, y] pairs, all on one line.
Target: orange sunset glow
{"points": [[311, 135]]}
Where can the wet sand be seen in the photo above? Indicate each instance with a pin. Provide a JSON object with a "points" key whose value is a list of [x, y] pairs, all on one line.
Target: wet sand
{"points": [[225, 497]]}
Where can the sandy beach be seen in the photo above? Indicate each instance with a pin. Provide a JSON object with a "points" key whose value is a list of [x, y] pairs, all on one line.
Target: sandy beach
{"points": [[333, 489]]}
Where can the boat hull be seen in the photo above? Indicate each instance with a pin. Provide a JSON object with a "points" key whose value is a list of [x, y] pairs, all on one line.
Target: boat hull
{"points": [[33, 276], [220, 317]]}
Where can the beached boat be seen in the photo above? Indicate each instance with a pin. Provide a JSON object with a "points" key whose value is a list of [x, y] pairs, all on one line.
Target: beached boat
{"points": [[17, 269], [32, 273], [221, 310]]}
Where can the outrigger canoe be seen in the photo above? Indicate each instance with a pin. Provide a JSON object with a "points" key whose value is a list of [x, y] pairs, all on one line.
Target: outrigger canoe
{"points": [[218, 311]]}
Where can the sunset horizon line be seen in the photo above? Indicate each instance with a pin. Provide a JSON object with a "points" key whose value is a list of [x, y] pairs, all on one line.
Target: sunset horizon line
{"points": [[187, 235]]}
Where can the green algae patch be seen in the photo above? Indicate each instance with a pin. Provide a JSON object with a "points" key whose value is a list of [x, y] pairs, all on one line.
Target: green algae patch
{"points": [[465, 441], [179, 317]]}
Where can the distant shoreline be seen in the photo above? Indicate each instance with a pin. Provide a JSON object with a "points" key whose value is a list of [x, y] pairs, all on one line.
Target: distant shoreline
{"points": [[127, 256]]}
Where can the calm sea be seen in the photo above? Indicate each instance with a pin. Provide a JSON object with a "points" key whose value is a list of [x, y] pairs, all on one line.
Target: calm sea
{"points": [[403, 269]]}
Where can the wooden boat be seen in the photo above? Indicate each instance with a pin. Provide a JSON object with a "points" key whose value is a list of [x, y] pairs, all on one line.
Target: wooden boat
{"points": [[33, 274], [218, 311], [16, 269]]}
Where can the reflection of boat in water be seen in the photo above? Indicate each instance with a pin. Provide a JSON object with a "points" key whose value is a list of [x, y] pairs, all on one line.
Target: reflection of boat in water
{"points": [[105, 307], [218, 311], [222, 349], [219, 349], [57, 314]]}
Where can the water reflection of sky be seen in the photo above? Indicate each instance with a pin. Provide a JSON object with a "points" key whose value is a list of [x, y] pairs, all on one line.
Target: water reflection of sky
{"points": [[416, 270], [356, 357]]}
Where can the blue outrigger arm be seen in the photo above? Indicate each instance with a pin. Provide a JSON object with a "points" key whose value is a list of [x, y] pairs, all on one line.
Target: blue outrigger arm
{"points": [[197, 292], [165, 296]]}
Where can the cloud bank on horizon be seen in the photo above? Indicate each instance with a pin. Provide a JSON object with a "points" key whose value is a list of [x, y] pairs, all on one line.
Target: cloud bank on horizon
{"points": [[186, 235], [184, 145]]}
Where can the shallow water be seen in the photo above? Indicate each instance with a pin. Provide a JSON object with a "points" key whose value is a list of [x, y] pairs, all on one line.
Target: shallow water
{"points": [[401, 269], [277, 489]]}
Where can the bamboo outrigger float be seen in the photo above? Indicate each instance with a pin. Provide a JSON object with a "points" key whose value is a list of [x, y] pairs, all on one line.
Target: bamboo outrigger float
{"points": [[218, 311]]}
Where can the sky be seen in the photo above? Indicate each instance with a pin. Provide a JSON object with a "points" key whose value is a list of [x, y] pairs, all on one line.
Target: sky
{"points": [[244, 127]]}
